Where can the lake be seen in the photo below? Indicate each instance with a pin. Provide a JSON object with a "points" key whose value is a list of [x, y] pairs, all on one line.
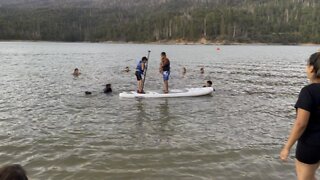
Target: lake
{"points": [[48, 124]]}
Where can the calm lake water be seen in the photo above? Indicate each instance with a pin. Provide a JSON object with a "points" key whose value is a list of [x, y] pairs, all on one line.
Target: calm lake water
{"points": [[49, 126]]}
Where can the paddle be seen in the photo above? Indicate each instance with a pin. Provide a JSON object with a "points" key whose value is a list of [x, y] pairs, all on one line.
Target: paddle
{"points": [[145, 72]]}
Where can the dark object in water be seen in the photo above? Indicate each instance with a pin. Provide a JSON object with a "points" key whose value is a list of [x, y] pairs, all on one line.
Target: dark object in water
{"points": [[88, 92], [127, 69], [14, 171], [108, 89], [209, 84], [142, 92]]}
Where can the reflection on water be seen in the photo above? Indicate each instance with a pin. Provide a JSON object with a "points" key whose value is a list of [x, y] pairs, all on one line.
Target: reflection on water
{"points": [[53, 129], [154, 125]]}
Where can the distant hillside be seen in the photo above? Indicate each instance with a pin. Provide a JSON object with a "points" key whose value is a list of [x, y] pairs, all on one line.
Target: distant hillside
{"points": [[35, 4], [266, 21]]}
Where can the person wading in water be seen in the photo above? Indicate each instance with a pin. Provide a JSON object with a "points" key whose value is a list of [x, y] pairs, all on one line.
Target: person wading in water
{"points": [[306, 129]]}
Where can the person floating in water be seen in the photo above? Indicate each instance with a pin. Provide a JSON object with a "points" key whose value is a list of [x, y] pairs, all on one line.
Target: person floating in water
{"points": [[164, 69], [306, 129], [184, 70], [87, 92], [208, 84], [141, 67], [202, 70], [76, 72], [126, 69], [107, 89]]}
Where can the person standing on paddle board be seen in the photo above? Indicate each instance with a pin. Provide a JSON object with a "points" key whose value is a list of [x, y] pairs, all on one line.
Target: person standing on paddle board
{"points": [[139, 72], [165, 71], [306, 129]]}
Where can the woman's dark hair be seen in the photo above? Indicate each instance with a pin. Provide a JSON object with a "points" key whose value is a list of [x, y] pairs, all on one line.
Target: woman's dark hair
{"points": [[13, 172], [163, 54], [144, 58], [314, 61]]}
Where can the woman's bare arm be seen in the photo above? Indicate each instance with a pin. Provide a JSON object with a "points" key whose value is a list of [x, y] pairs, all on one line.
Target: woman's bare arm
{"points": [[296, 132]]}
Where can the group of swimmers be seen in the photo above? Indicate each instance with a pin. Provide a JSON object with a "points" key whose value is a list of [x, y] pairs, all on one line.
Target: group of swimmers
{"points": [[184, 70], [106, 90], [305, 131], [141, 68]]}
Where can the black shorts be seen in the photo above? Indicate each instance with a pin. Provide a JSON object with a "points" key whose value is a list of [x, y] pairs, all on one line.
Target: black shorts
{"points": [[307, 154], [139, 76]]}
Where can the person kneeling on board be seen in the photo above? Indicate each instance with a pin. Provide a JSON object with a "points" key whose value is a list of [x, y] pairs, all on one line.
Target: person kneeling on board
{"points": [[141, 66]]}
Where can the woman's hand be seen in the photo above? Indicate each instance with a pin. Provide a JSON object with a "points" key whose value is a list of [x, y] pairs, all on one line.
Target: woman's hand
{"points": [[284, 154], [296, 132]]}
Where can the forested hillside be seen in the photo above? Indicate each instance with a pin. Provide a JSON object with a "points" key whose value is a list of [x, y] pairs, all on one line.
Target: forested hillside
{"points": [[266, 21]]}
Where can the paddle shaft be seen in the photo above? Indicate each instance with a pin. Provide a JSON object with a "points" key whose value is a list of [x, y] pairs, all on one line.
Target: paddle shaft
{"points": [[145, 72]]}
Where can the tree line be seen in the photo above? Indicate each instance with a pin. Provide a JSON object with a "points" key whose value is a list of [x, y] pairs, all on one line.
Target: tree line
{"points": [[265, 21]]}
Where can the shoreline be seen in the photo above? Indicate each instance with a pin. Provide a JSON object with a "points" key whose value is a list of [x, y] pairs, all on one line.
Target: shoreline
{"points": [[175, 42]]}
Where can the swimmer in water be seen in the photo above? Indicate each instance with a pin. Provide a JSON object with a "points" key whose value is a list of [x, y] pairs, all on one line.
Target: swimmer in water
{"points": [[208, 84], [202, 70], [184, 70], [87, 92], [76, 72], [107, 89], [126, 69]]}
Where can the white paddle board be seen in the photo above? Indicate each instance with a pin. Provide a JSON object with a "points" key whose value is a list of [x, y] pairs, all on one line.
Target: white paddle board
{"points": [[188, 92]]}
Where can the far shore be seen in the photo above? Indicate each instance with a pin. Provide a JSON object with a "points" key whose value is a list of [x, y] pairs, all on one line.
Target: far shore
{"points": [[176, 42]]}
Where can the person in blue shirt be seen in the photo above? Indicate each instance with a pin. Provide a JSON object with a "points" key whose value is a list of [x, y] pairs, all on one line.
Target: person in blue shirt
{"points": [[141, 66]]}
